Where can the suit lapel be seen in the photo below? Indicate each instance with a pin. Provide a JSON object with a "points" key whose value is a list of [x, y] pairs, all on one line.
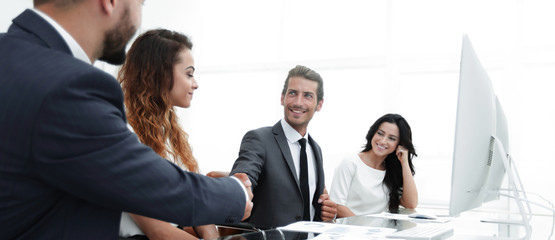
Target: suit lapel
{"points": [[319, 162], [320, 178], [281, 140]]}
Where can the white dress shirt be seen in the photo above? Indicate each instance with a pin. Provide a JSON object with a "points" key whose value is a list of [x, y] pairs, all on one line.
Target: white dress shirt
{"points": [[293, 140]]}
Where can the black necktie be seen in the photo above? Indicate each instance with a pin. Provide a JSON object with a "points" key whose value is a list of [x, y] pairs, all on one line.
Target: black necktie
{"points": [[303, 178]]}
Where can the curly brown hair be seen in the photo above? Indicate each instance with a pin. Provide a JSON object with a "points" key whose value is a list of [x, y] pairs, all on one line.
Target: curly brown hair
{"points": [[146, 78]]}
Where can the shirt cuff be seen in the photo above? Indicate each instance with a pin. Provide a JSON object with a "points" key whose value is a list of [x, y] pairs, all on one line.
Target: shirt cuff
{"points": [[242, 187]]}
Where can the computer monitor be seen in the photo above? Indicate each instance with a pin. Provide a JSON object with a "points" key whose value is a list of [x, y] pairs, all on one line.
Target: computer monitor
{"points": [[477, 171], [481, 154]]}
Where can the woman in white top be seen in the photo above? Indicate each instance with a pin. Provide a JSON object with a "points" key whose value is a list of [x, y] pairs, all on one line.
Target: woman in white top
{"points": [[157, 76], [380, 178]]}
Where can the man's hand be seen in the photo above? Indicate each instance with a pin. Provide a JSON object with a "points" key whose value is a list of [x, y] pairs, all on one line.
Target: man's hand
{"points": [[329, 207], [248, 185]]}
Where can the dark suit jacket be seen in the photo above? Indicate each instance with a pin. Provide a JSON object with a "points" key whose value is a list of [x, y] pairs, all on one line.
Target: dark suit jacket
{"points": [[266, 158], [68, 163]]}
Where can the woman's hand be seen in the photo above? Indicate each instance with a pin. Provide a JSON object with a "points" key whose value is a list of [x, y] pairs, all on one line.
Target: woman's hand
{"points": [[409, 199], [217, 174], [402, 154]]}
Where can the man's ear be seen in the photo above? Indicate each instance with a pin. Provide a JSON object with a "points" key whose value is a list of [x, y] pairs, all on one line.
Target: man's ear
{"points": [[282, 96], [319, 106], [108, 6]]}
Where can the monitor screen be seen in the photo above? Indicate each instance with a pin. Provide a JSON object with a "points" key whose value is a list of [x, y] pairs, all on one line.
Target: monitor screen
{"points": [[476, 170]]}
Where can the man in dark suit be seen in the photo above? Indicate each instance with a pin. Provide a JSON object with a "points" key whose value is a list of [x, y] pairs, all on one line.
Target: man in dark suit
{"points": [[271, 157], [68, 163]]}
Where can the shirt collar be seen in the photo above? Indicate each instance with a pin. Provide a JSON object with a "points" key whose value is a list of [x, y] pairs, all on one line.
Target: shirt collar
{"points": [[290, 133], [75, 48]]}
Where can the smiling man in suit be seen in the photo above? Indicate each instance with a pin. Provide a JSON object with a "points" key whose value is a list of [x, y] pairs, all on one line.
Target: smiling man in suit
{"points": [[68, 163], [284, 163]]}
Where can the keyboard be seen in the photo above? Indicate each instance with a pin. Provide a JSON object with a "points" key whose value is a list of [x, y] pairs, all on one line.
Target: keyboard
{"points": [[423, 233]]}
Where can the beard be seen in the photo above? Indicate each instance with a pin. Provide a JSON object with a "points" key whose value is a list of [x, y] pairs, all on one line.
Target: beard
{"points": [[115, 41]]}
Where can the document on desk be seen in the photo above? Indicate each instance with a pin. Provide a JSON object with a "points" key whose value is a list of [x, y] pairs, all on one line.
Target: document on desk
{"points": [[335, 231], [406, 217], [339, 236]]}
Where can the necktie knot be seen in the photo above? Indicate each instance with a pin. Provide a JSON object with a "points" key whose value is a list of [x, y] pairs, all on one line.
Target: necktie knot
{"points": [[302, 141]]}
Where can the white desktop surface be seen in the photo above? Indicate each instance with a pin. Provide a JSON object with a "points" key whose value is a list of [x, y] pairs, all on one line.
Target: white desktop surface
{"points": [[468, 225]]}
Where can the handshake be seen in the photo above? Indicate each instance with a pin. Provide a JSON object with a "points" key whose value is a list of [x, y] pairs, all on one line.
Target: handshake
{"points": [[329, 208], [248, 185], [246, 182]]}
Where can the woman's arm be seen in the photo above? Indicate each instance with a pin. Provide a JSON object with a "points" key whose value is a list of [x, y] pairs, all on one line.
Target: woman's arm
{"points": [[341, 183], [156, 229], [409, 198], [343, 211], [207, 231]]}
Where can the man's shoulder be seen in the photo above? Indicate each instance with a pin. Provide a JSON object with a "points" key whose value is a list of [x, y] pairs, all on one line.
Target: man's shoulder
{"points": [[265, 129], [32, 43], [261, 134], [49, 67], [275, 129], [36, 72], [21, 50]]}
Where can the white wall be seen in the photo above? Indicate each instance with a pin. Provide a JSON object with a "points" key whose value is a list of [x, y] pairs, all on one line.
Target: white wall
{"points": [[375, 57]]}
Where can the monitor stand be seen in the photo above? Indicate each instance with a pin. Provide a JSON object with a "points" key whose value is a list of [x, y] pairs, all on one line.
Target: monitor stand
{"points": [[516, 192]]}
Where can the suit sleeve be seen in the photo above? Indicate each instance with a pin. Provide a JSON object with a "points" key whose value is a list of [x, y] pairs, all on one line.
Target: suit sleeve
{"points": [[81, 145], [252, 155]]}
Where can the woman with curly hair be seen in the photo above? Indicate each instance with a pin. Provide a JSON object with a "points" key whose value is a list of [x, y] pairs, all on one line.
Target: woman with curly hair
{"points": [[157, 76]]}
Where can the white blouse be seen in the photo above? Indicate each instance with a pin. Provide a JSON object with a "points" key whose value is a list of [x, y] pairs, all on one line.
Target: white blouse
{"points": [[359, 187], [128, 227]]}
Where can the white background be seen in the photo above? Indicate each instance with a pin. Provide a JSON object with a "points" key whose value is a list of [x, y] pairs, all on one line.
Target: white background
{"points": [[375, 57]]}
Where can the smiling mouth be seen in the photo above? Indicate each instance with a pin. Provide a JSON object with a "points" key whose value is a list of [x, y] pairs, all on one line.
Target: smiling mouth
{"points": [[297, 111], [380, 147]]}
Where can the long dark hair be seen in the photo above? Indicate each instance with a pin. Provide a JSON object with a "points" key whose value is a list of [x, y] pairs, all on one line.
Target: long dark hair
{"points": [[393, 178]]}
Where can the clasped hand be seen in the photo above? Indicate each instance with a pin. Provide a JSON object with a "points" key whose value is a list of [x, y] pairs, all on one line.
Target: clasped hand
{"points": [[248, 185], [246, 182], [329, 207]]}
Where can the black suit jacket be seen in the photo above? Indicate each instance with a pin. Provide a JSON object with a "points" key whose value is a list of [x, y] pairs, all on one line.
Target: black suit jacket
{"points": [[68, 163], [265, 156]]}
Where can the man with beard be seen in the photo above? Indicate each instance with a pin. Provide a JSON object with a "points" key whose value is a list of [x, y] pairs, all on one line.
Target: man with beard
{"points": [[68, 163]]}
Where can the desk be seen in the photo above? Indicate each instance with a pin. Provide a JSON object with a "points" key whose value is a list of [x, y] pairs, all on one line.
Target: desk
{"points": [[366, 221], [467, 226]]}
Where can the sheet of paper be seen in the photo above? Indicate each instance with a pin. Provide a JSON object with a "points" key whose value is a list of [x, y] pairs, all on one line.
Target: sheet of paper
{"points": [[339, 236], [407, 218], [338, 230]]}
